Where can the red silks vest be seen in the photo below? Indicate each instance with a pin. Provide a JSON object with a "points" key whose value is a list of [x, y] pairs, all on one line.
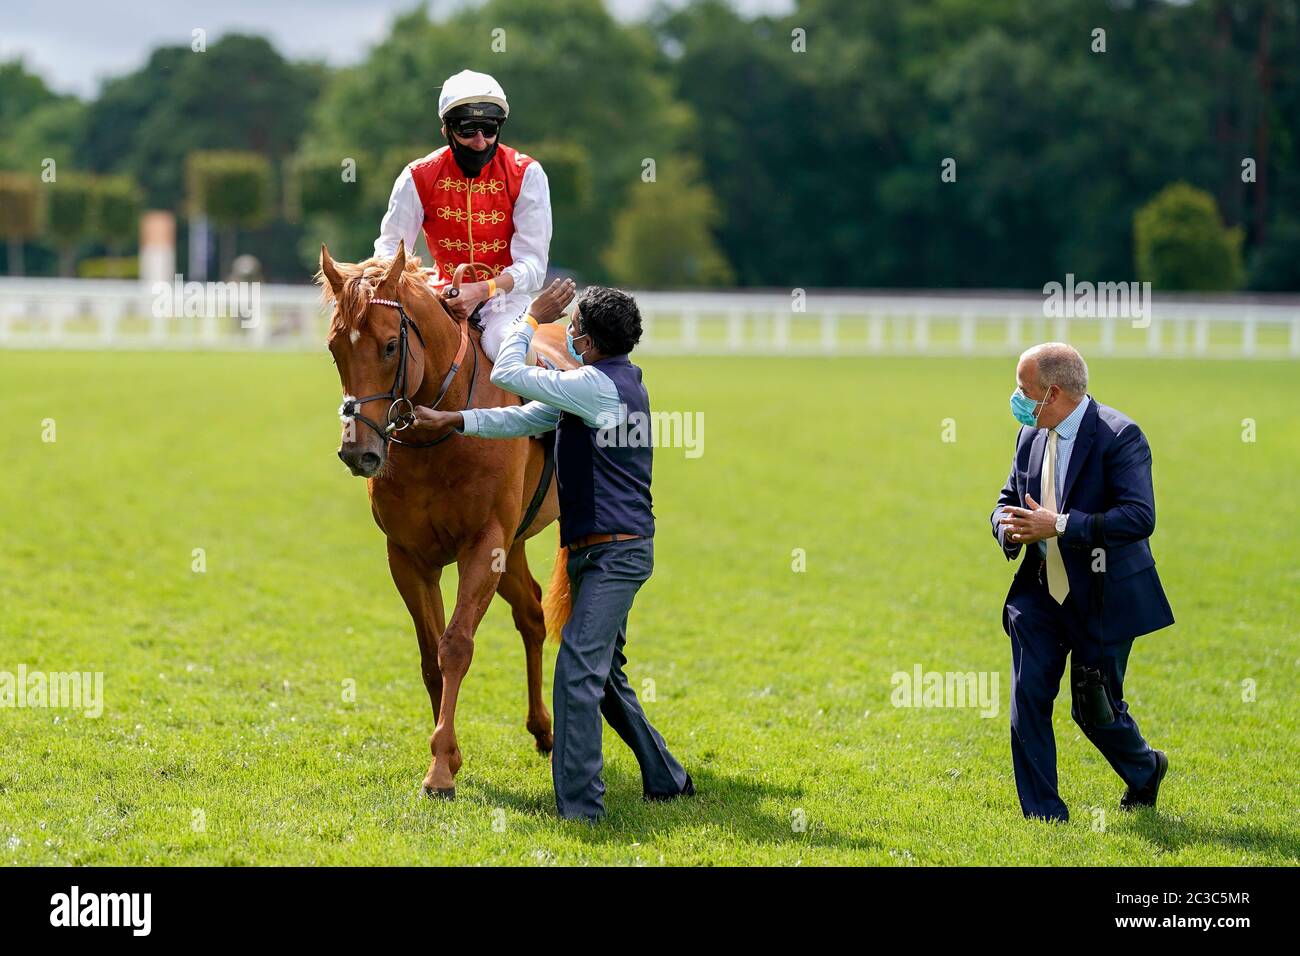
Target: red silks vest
{"points": [[470, 220]]}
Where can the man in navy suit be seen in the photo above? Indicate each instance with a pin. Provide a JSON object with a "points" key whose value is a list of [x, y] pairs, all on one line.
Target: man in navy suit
{"points": [[1080, 504]]}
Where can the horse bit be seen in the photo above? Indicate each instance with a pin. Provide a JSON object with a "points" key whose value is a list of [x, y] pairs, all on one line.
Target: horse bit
{"points": [[399, 420]]}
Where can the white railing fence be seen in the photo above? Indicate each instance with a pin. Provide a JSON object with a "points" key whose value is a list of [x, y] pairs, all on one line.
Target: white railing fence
{"points": [[93, 314]]}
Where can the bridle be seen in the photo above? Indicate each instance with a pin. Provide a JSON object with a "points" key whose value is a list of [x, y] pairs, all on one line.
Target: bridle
{"points": [[401, 413]]}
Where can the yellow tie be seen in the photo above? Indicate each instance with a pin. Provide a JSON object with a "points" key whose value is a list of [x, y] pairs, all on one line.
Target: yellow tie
{"points": [[1058, 585]]}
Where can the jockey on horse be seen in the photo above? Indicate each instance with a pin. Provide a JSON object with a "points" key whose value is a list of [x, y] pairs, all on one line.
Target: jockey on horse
{"points": [[485, 211], [480, 203]]}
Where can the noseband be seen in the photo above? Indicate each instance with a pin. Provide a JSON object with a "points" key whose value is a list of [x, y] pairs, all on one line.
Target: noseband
{"points": [[401, 413]]}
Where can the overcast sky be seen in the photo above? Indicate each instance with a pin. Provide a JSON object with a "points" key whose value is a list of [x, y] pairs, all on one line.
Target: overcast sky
{"points": [[74, 44]]}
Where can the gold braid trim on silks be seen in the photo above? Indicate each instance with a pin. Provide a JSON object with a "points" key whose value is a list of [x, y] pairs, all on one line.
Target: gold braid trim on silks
{"points": [[460, 185], [460, 245], [481, 270], [485, 217]]}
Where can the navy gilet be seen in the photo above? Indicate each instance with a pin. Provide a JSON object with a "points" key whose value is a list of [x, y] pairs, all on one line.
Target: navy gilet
{"points": [[604, 482]]}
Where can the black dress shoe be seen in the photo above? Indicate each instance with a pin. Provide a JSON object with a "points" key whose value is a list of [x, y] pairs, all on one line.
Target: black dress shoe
{"points": [[1146, 797], [687, 791]]}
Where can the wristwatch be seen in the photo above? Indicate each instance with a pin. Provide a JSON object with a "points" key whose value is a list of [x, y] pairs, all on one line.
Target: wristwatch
{"points": [[1060, 524]]}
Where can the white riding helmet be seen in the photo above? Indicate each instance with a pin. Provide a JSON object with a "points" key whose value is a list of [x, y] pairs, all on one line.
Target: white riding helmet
{"points": [[470, 87]]}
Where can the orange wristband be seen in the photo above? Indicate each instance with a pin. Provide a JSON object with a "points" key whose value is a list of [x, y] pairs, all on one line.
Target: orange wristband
{"points": [[531, 321], [492, 287]]}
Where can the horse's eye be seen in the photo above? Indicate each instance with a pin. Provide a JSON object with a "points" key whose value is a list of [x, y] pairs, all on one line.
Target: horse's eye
{"points": [[391, 348]]}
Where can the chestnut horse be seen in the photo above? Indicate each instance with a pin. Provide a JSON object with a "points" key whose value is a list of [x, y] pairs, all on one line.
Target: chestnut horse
{"points": [[443, 497]]}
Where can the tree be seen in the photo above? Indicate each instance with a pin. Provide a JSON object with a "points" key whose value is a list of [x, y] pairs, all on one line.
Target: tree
{"points": [[69, 216], [118, 201], [332, 191], [664, 239], [20, 218], [324, 184], [568, 173], [738, 79], [1182, 244], [21, 93], [50, 131], [240, 94], [823, 132], [233, 189]]}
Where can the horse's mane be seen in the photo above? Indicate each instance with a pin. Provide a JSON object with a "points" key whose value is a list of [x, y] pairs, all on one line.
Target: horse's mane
{"points": [[359, 282]]}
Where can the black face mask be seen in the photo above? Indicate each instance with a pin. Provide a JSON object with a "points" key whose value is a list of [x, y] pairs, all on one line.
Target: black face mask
{"points": [[471, 161]]}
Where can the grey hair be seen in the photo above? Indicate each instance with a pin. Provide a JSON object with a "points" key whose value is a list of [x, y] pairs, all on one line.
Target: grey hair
{"points": [[1060, 365]]}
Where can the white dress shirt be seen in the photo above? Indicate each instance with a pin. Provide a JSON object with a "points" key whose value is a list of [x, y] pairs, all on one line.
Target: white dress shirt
{"points": [[1065, 435]]}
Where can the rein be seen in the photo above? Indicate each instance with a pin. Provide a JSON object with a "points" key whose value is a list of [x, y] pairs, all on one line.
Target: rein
{"points": [[396, 421]]}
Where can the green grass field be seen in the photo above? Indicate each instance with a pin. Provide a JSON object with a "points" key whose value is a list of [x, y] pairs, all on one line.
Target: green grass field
{"points": [[226, 739]]}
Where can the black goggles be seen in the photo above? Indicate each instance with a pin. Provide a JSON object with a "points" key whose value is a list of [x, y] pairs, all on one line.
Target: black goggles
{"points": [[466, 128]]}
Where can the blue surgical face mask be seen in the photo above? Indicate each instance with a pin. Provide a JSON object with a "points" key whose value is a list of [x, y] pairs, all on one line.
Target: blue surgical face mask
{"points": [[568, 338], [1025, 409]]}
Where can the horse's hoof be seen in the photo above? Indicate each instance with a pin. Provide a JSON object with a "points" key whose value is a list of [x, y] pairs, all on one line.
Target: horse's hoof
{"points": [[438, 793]]}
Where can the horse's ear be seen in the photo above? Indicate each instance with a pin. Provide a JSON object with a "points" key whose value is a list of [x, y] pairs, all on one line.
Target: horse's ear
{"points": [[388, 285], [329, 271]]}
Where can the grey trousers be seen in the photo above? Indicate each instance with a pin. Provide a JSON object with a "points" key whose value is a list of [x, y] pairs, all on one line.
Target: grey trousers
{"points": [[589, 682]]}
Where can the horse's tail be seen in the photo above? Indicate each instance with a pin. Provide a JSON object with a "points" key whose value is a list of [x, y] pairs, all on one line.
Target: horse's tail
{"points": [[557, 605]]}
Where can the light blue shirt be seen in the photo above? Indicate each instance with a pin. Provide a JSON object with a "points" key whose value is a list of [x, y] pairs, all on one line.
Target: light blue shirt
{"points": [[1065, 435], [585, 391], [1066, 432]]}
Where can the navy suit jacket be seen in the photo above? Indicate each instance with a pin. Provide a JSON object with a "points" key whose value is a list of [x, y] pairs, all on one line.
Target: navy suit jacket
{"points": [[1110, 475]]}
